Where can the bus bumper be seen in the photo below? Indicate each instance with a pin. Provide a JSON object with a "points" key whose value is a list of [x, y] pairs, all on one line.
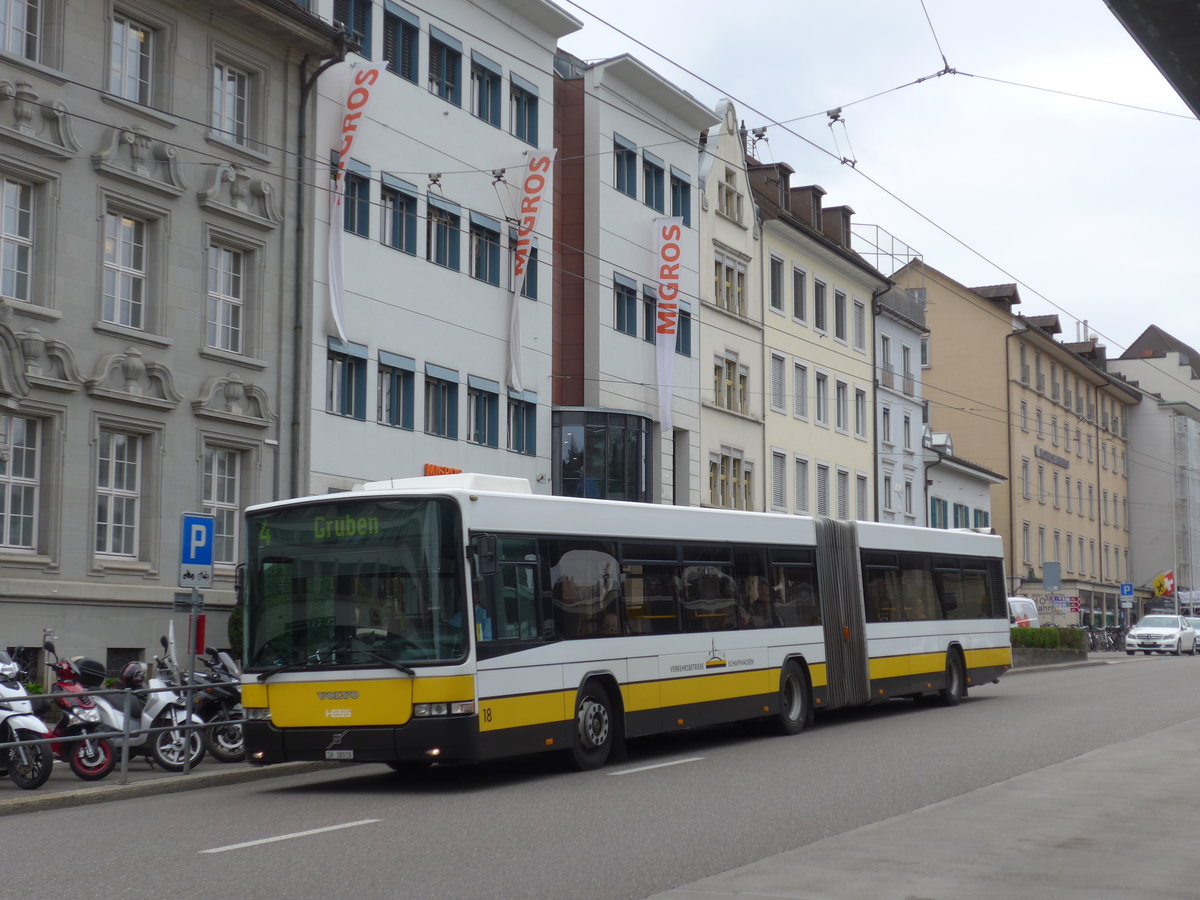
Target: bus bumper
{"points": [[449, 739]]}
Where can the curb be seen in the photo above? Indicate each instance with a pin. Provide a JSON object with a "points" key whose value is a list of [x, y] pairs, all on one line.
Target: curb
{"points": [[170, 784]]}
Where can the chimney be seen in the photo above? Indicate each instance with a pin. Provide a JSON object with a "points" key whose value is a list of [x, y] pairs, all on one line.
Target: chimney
{"points": [[806, 204], [837, 225]]}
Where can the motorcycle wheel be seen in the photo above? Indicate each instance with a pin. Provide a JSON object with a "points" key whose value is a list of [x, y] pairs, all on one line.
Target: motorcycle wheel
{"points": [[92, 759], [225, 741], [168, 748], [29, 767]]}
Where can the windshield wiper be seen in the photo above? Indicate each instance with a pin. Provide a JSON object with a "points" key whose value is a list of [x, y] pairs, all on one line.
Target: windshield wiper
{"points": [[399, 667], [289, 667]]}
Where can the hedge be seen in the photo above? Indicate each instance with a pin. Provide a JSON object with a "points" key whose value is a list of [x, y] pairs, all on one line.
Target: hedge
{"points": [[1048, 637]]}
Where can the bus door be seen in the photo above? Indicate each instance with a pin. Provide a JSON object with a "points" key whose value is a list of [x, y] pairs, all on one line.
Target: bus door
{"points": [[839, 577]]}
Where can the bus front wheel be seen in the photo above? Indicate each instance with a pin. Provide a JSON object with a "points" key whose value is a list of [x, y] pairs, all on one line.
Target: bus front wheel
{"points": [[793, 700], [594, 727], [955, 690]]}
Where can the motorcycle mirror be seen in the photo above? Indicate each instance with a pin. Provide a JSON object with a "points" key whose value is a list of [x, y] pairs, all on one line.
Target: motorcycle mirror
{"points": [[211, 651], [49, 647], [163, 640]]}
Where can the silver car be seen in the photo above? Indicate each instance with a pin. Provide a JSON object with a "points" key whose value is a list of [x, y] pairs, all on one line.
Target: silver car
{"points": [[1162, 633]]}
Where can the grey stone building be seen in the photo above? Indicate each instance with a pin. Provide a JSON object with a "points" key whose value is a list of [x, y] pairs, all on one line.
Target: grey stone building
{"points": [[153, 206]]}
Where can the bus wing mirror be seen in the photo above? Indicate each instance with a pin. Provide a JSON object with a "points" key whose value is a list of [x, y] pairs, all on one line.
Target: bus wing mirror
{"points": [[485, 554]]}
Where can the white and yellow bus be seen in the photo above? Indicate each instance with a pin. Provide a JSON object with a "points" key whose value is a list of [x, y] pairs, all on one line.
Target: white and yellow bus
{"points": [[463, 618]]}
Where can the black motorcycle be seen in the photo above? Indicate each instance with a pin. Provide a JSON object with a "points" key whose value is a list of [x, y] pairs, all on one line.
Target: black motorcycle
{"points": [[217, 699]]}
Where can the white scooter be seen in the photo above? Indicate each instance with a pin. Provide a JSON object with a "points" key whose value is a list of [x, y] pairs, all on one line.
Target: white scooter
{"points": [[158, 709], [29, 765]]}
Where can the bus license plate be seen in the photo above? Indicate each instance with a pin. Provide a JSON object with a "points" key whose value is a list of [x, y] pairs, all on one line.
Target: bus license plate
{"points": [[339, 754]]}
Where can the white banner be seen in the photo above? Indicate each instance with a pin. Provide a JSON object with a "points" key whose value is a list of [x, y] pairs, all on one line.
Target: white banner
{"points": [[362, 80], [533, 192], [668, 235]]}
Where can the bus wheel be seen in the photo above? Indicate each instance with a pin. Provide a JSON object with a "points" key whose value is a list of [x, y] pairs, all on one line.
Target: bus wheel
{"points": [[593, 727], [955, 690], [793, 700]]}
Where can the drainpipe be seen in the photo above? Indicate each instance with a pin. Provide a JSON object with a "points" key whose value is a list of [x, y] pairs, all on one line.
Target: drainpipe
{"points": [[1012, 498], [298, 323]]}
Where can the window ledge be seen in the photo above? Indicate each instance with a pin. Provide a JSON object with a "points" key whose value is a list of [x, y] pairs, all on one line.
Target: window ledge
{"points": [[133, 334], [236, 359], [31, 560], [105, 564], [153, 115], [24, 62], [229, 144], [33, 310]]}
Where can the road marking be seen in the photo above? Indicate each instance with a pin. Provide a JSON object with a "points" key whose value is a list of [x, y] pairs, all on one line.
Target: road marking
{"points": [[288, 837], [677, 762]]}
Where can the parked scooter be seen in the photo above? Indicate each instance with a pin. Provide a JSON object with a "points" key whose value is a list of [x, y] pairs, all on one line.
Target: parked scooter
{"points": [[172, 749], [28, 766], [89, 757]]}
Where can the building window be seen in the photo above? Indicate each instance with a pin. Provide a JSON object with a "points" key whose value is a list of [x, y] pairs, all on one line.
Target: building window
{"points": [[860, 325], [395, 391], [729, 198], [776, 285], [1041, 484], [131, 60], [938, 513], [522, 426], [625, 298], [983, 518], [226, 297], [778, 480], [20, 477], [400, 43], [730, 380], [118, 493], [681, 197], [529, 288], [355, 17], [231, 102], [356, 216], [860, 482], [887, 492], [445, 67], [485, 89], [1026, 485], [801, 486], [21, 24], [524, 114], [653, 182], [602, 454], [860, 413], [799, 298], [483, 412], [908, 446], [908, 497], [485, 252], [441, 238], [800, 390], [16, 238], [822, 398], [441, 401], [730, 480], [649, 314], [819, 320], [962, 515], [683, 333], [126, 270], [925, 363], [625, 161], [730, 283], [839, 315], [841, 410], [1054, 482], [222, 500], [885, 426], [346, 379], [778, 392], [822, 490], [398, 218]]}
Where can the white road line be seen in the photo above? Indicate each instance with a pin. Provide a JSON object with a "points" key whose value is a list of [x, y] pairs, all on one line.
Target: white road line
{"points": [[288, 837], [677, 762]]}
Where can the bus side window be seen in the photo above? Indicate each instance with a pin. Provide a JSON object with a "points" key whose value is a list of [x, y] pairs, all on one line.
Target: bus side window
{"points": [[585, 581], [506, 602]]}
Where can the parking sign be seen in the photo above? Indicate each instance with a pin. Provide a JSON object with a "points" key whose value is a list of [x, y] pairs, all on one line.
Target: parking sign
{"points": [[196, 550]]}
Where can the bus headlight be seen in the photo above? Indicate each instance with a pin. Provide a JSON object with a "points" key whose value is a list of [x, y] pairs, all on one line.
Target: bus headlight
{"points": [[259, 713], [428, 710]]}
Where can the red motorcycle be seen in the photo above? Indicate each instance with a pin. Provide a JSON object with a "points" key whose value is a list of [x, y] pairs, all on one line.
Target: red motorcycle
{"points": [[89, 757]]}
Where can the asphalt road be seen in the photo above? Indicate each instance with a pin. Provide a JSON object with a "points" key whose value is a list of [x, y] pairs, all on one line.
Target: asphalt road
{"points": [[676, 811]]}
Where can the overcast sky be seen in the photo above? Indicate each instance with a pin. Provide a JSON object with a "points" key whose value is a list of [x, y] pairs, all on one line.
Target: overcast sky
{"points": [[1092, 208]]}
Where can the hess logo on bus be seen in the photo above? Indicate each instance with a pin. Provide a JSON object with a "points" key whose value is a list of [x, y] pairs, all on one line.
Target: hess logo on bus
{"points": [[337, 695]]}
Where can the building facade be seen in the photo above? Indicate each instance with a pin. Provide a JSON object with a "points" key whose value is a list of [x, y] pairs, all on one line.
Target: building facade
{"points": [[630, 143], [900, 407], [145, 301], [818, 354]]}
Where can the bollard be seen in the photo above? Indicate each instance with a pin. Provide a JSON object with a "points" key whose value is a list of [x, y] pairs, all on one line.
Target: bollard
{"points": [[125, 695]]}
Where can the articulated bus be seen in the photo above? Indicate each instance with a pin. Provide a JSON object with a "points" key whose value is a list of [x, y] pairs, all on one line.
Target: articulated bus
{"points": [[462, 618]]}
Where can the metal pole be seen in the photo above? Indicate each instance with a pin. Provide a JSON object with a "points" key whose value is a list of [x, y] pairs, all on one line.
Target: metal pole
{"points": [[125, 695], [191, 689]]}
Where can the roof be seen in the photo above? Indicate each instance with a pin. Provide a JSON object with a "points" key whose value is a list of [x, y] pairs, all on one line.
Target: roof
{"points": [[1154, 343], [1006, 292], [1168, 31]]}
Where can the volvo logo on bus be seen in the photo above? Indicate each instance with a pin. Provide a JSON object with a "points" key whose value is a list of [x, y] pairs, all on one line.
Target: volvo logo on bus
{"points": [[337, 695]]}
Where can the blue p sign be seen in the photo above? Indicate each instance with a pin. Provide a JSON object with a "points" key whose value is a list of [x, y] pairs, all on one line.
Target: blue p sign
{"points": [[196, 551]]}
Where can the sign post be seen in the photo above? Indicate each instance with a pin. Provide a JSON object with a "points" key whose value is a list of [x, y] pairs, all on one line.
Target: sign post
{"points": [[195, 571]]}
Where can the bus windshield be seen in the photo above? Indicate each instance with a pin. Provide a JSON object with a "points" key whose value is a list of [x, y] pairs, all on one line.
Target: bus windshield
{"points": [[355, 582]]}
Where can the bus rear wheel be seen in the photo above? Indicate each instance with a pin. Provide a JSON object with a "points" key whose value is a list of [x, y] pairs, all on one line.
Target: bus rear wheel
{"points": [[794, 700], [955, 690], [594, 727]]}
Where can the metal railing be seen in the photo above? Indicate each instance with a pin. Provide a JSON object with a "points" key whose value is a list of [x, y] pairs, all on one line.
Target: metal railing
{"points": [[127, 733]]}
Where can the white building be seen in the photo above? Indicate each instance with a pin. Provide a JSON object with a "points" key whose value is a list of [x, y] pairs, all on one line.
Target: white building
{"points": [[958, 489], [899, 407], [731, 323], [433, 176], [629, 141]]}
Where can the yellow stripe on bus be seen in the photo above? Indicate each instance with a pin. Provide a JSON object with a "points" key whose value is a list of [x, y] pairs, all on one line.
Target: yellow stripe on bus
{"points": [[991, 656], [360, 702], [498, 713]]}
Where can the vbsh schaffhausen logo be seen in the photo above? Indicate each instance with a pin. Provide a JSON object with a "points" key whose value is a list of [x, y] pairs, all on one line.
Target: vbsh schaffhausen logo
{"points": [[337, 695]]}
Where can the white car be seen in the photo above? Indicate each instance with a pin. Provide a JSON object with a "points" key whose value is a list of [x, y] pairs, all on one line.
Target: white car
{"points": [[1164, 633]]}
